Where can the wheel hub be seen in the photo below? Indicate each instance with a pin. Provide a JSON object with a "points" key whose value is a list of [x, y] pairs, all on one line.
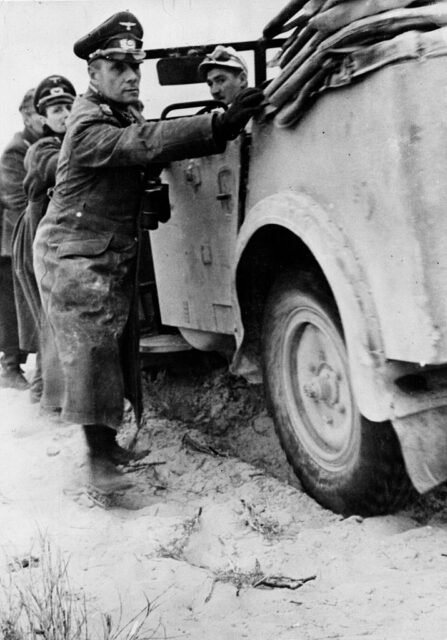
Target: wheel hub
{"points": [[324, 386], [316, 376]]}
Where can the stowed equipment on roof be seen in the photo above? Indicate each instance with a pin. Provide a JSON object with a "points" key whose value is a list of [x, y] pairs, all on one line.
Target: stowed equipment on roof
{"points": [[333, 42]]}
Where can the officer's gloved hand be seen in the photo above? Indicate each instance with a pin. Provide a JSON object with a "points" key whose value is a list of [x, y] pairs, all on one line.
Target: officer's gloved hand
{"points": [[229, 124]]}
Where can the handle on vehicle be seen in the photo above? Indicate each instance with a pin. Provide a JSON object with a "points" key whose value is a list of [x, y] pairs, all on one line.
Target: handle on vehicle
{"points": [[206, 105]]}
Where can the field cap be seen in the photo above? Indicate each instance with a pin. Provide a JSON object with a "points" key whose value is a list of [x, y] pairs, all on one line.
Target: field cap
{"points": [[27, 101], [222, 57]]}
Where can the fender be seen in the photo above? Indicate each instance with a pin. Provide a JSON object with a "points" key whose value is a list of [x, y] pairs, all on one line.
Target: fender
{"points": [[314, 225], [419, 421]]}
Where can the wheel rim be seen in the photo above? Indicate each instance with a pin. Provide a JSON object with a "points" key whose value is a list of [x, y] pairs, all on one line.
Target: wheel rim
{"points": [[317, 388]]}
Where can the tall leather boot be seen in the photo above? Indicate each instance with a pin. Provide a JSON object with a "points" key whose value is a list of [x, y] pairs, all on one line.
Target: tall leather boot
{"points": [[102, 443], [104, 475]]}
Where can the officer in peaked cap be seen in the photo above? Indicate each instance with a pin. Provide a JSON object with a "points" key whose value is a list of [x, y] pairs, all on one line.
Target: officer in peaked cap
{"points": [[225, 73], [52, 100], [53, 90], [118, 38], [85, 251]]}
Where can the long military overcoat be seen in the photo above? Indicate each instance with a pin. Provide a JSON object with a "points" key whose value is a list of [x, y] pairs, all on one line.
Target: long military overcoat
{"points": [[86, 248], [12, 192], [13, 198], [40, 165]]}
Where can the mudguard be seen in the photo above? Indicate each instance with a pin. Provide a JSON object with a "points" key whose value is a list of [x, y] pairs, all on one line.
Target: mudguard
{"points": [[420, 421], [310, 222]]}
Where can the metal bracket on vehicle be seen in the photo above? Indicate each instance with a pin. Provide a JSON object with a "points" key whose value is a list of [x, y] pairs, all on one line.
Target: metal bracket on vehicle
{"points": [[193, 175]]}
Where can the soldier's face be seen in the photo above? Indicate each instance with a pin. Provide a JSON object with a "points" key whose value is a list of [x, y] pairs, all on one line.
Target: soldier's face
{"points": [[225, 85], [116, 80], [56, 116]]}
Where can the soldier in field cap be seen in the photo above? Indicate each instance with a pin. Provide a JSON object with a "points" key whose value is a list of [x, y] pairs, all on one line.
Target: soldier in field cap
{"points": [[85, 251], [225, 73]]}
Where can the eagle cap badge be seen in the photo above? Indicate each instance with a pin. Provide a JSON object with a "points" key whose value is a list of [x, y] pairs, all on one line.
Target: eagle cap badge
{"points": [[128, 25]]}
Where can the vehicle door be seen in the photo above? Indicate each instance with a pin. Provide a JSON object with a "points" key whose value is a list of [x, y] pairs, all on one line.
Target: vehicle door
{"points": [[193, 252]]}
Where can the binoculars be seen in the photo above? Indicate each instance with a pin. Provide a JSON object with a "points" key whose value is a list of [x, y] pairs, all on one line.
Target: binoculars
{"points": [[155, 206]]}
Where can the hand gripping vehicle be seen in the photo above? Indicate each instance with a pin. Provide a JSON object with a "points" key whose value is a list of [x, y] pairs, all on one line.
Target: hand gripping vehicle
{"points": [[313, 251]]}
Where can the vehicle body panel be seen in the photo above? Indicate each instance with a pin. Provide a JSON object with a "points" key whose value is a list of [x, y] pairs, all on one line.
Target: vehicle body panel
{"points": [[373, 156], [361, 182]]}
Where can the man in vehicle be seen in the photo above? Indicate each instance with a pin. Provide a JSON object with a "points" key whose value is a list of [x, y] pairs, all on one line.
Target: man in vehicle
{"points": [[85, 251], [13, 198], [225, 74]]}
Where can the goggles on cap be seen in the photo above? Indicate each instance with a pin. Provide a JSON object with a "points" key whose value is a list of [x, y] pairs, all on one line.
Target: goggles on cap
{"points": [[222, 54], [135, 55], [120, 48], [225, 56]]}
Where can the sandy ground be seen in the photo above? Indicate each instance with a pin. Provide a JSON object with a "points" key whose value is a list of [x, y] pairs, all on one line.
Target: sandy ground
{"points": [[200, 530]]}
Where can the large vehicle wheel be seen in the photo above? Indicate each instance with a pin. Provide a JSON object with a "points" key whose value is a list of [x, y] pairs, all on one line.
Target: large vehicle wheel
{"points": [[346, 462]]}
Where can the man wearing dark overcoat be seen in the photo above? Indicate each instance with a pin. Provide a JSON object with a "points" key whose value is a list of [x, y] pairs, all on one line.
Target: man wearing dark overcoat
{"points": [[53, 98], [85, 252], [13, 198]]}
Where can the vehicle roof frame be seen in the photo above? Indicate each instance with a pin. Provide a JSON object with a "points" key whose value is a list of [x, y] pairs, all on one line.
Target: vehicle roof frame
{"points": [[259, 48]]}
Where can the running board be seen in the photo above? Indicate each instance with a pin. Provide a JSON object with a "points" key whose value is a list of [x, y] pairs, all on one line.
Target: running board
{"points": [[164, 343]]}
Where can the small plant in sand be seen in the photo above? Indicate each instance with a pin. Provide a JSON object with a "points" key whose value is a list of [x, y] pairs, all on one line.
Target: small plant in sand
{"points": [[257, 519], [38, 602], [243, 579], [238, 577], [176, 546]]}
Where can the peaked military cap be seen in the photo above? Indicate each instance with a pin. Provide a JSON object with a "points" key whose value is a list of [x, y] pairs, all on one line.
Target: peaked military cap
{"points": [[53, 90], [118, 38]]}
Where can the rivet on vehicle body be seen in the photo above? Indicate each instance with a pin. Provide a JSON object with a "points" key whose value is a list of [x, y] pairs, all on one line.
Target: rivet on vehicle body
{"points": [[206, 254]]}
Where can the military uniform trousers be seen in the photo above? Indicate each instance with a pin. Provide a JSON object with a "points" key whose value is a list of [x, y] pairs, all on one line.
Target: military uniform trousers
{"points": [[27, 293], [9, 337]]}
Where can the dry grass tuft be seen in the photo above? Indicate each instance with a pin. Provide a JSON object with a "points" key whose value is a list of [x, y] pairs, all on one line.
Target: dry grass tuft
{"points": [[239, 578], [176, 546], [256, 518], [131, 630], [38, 602]]}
